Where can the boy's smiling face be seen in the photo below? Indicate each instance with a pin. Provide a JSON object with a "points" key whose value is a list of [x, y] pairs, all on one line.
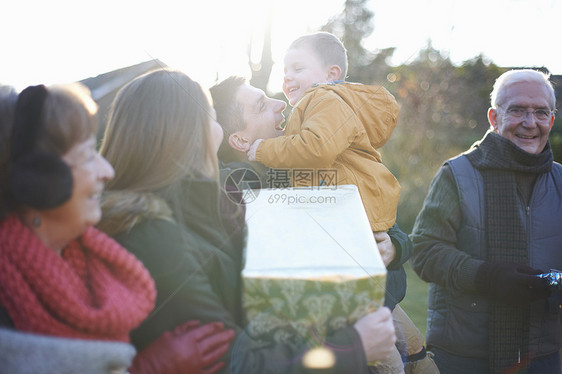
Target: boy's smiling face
{"points": [[303, 69]]}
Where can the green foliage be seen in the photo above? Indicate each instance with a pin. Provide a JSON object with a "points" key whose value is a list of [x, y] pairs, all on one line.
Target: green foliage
{"points": [[556, 136], [442, 112], [353, 25], [415, 302]]}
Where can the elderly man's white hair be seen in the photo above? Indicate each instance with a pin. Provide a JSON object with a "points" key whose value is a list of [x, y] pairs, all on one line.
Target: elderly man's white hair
{"points": [[517, 76]]}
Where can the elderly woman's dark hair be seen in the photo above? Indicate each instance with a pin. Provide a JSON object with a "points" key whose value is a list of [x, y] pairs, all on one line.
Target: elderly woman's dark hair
{"points": [[45, 123]]}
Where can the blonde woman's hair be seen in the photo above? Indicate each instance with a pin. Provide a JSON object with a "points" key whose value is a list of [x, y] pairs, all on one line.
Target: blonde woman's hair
{"points": [[158, 133]]}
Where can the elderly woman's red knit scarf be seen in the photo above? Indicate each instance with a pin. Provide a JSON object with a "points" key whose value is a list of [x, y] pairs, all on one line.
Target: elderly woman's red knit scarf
{"points": [[95, 290]]}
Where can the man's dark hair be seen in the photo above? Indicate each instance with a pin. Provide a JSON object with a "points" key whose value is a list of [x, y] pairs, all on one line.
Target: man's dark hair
{"points": [[229, 112]]}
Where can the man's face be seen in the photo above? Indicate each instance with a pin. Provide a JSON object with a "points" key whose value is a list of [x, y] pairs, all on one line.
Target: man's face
{"points": [[524, 129], [262, 115]]}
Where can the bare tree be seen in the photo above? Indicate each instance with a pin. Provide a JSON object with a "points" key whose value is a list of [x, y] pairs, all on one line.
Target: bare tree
{"points": [[261, 70]]}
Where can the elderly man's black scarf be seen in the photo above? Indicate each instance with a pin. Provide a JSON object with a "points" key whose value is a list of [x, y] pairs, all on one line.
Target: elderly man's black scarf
{"points": [[498, 159]]}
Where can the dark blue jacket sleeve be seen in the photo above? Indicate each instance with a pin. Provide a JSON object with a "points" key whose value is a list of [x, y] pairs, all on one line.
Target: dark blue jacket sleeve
{"points": [[396, 282]]}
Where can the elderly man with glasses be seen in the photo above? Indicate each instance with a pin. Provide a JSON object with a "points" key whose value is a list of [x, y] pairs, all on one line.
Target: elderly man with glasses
{"points": [[490, 227]]}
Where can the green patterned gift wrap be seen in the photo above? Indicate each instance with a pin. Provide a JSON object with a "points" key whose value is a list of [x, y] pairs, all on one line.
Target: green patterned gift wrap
{"points": [[312, 264]]}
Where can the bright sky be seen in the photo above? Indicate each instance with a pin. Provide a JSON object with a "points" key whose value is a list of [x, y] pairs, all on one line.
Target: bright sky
{"points": [[59, 41]]}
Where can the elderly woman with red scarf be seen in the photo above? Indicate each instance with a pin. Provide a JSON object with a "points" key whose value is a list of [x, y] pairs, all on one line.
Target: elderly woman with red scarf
{"points": [[63, 283]]}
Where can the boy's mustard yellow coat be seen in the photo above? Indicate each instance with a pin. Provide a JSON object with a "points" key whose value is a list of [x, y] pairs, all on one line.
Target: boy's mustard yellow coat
{"points": [[339, 126]]}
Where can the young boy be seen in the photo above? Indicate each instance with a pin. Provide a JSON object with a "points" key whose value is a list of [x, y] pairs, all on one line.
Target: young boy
{"points": [[339, 125], [335, 125]]}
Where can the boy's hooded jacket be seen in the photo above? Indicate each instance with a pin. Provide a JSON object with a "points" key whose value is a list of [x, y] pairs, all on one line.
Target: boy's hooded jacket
{"points": [[340, 126]]}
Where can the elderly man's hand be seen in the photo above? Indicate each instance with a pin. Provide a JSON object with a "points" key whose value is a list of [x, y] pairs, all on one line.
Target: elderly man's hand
{"points": [[513, 284], [253, 149], [386, 248]]}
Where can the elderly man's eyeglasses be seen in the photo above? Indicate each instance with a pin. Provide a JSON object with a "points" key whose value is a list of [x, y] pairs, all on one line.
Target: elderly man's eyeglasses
{"points": [[519, 112]]}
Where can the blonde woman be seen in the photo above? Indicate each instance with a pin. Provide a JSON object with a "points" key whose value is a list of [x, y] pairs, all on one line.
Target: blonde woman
{"points": [[164, 205]]}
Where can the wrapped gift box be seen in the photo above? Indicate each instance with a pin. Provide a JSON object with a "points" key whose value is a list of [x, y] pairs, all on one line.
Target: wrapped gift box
{"points": [[312, 264]]}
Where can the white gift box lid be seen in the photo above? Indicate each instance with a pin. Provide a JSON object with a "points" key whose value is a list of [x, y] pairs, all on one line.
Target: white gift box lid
{"points": [[310, 233]]}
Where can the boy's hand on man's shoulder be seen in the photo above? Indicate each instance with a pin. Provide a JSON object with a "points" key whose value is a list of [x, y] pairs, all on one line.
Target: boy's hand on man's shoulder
{"points": [[386, 247], [253, 149]]}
